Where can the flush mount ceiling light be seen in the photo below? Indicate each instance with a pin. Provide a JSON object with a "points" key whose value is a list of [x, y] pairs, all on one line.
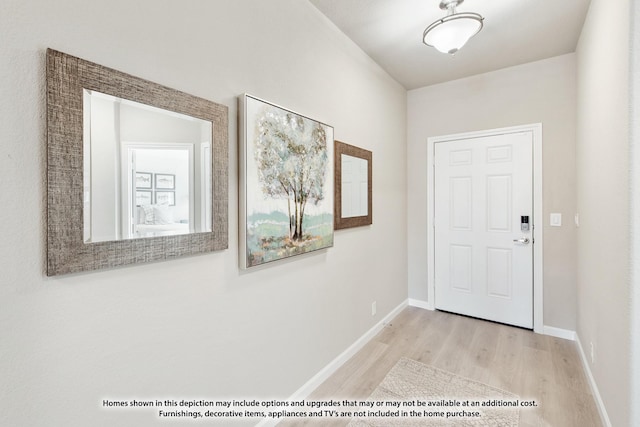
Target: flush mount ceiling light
{"points": [[450, 33]]}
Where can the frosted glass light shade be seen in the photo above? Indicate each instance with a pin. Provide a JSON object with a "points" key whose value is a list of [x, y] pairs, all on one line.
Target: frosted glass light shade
{"points": [[450, 33]]}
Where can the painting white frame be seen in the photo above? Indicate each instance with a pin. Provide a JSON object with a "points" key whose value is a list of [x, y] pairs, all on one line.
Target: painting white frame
{"points": [[253, 201]]}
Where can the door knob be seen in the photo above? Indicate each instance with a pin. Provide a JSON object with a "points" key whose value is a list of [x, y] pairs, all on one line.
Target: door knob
{"points": [[524, 240]]}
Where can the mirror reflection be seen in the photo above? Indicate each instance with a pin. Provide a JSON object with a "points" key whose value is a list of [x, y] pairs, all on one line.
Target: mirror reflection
{"points": [[147, 171], [354, 178]]}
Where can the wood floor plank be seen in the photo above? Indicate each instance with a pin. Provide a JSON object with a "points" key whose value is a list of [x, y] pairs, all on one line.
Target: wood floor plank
{"points": [[507, 358], [568, 366], [456, 351], [533, 366], [346, 380]]}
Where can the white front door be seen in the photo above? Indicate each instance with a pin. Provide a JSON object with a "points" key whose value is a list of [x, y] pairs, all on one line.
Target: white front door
{"points": [[483, 258]]}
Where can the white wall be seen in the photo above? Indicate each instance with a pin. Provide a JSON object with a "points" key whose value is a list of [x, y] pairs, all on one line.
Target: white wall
{"points": [[634, 163], [194, 326], [539, 92], [603, 201]]}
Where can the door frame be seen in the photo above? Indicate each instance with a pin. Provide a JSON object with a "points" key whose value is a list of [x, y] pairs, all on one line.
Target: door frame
{"points": [[128, 194], [538, 220]]}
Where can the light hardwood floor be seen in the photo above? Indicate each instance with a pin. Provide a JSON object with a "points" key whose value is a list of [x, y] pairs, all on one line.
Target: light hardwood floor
{"points": [[530, 365]]}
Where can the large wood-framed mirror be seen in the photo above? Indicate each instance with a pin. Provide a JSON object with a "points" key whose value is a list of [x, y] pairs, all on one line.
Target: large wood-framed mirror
{"points": [[353, 186], [136, 171]]}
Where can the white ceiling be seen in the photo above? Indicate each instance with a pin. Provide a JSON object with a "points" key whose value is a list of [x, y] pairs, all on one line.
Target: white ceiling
{"points": [[515, 32]]}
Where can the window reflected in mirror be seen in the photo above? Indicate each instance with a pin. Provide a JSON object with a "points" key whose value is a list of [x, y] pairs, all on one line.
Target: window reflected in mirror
{"points": [[147, 171]]}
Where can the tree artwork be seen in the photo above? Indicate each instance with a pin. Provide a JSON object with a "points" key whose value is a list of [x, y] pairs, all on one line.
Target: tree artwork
{"points": [[291, 160], [286, 183]]}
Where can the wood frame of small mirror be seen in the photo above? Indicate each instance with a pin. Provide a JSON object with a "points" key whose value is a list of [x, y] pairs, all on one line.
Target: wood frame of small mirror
{"points": [[339, 221], [67, 252]]}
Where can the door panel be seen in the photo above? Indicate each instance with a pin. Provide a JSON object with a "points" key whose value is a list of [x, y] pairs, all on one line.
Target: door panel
{"points": [[461, 267], [499, 209], [482, 188], [461, 204], [499, 272]]}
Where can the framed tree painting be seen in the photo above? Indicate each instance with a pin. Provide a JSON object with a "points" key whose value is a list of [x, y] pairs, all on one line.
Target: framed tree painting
{"points": [[286, 183]]}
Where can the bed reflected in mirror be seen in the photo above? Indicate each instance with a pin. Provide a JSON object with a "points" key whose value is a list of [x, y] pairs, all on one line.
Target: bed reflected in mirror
{"points": [[147, 170]]}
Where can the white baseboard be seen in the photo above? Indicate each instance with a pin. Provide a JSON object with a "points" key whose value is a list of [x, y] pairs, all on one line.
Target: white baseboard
{"points": [[594, 387], [336, 363], [559, 333], [420, 304]]}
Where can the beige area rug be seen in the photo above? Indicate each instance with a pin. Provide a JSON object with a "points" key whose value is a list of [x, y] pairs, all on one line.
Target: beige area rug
{"points": [[413, 381]]}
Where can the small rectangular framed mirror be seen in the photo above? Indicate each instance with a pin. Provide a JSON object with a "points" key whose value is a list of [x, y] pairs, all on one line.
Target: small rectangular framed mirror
{"points": [[353, 186], [136, 171]]}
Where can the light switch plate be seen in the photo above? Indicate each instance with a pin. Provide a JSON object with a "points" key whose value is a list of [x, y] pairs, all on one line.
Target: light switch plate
{"points": [[555, 220]]}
